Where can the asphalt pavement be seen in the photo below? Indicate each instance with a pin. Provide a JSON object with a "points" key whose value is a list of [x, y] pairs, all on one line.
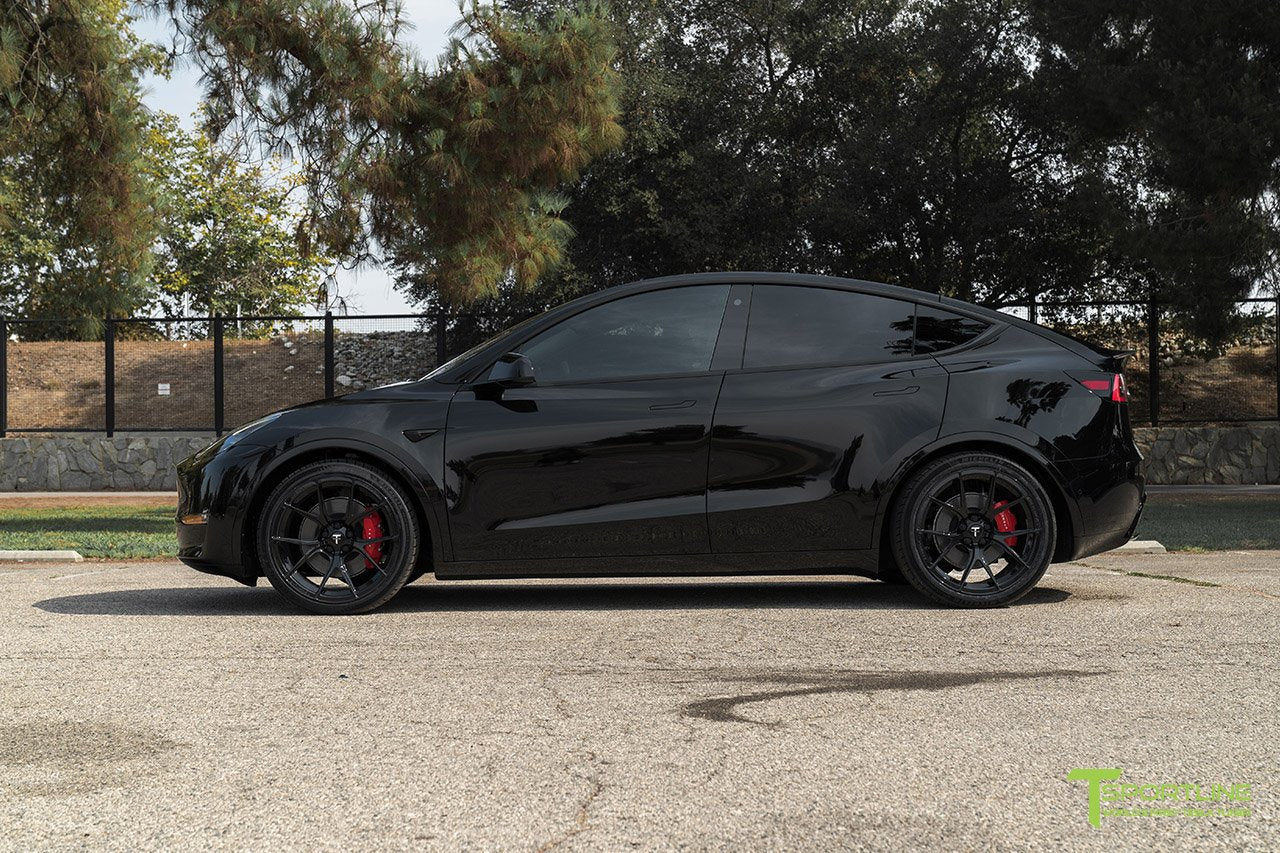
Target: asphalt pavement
{"points": [[147, 706]]}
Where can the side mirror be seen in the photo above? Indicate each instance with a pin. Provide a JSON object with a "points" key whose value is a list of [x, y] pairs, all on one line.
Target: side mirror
{"points": [[513, 370]]}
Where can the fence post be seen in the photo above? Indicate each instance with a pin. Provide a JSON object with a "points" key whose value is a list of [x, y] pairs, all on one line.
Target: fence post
{"points": [[1032, 313], [219, 420], [1276, 342], [442, 327], [328, 355], [4, 377], [1153, 360], [109, 365]]}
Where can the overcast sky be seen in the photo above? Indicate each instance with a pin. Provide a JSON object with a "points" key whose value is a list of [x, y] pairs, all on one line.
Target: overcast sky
{"points": [[367, 291]]}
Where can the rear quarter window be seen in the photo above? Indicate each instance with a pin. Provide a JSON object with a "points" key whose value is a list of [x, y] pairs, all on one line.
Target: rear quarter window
{"points": [[938, 330]]}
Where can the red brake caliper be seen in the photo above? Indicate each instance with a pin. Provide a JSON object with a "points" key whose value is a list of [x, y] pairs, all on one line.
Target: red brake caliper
{"points": [[1006, 521], [373, 530]]}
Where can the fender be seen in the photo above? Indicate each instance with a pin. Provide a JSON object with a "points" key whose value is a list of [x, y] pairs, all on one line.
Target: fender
{"points": [[1041, 453], [424, 484]]}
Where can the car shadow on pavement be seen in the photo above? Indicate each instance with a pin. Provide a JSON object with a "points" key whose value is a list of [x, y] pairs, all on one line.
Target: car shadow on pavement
{"points": [[550, 596]]}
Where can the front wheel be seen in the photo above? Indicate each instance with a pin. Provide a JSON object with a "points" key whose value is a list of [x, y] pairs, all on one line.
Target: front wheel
{"points": [[338, 537], [973, 530]]}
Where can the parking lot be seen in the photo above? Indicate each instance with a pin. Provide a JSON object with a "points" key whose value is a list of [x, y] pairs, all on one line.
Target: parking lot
{"points": [[145, 704]]}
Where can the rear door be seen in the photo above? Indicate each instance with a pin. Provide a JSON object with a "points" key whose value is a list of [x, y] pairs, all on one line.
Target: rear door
{"points": [[830, 389], [606, 455]]}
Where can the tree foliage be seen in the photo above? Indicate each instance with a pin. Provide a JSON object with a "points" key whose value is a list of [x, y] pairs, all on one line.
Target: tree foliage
{"points": [[985, 150], [226, 231], [71, 124], [450, 171]]}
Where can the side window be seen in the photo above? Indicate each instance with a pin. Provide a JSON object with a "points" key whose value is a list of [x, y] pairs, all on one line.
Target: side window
{"points": [[814, 325], [938, 330], [663, 331]]}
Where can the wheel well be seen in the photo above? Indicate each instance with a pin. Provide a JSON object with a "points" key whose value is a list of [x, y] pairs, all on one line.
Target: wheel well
{"points": [[267, 486], [1066, 532]]}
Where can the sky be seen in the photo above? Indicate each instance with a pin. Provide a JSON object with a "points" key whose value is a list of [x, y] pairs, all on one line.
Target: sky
{"points": [[368, 290]]}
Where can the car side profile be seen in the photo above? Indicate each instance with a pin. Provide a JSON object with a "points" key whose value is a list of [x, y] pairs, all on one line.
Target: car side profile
{"points": [[727, 423]]}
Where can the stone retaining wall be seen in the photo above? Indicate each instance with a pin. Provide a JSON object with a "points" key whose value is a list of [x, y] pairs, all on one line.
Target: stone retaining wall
{"points": [[1240, 455], [88, 462], [144, 461]]}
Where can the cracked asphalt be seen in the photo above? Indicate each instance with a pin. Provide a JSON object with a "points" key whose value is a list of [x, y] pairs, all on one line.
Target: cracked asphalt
{"points": [[147, 706]]}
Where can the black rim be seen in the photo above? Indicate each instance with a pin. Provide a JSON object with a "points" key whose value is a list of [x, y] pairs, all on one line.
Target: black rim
{"points": [[319, 545], [977, 530]]}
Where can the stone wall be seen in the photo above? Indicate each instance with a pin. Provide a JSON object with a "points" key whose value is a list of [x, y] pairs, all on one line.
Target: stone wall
{"points": [[143, 462], [1240, 455], [89, 462]]}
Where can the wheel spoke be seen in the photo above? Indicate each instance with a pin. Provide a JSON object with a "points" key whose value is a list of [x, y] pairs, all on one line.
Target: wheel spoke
{"points": [[346, 576], [293, 567], [377, 567], [991, 576], [290, 541], [964, 576], [945, 505], [364, 513], [1014, 555], [1005, 534], [363, 542], [964, 503], [1013, 503], [351, 502], [991, 492], [324, 514], [334, 562], [305, 513]]}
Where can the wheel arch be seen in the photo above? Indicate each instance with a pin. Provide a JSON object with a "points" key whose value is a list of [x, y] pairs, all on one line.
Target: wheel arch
{"points": [[421, 499], [1035, 462]]}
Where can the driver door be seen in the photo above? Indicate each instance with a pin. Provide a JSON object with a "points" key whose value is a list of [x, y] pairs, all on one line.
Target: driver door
{"points": [[605, 455]]}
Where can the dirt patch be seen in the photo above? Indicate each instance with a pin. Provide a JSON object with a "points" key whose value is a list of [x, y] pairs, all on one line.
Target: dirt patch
{"points": [[16, 500]]}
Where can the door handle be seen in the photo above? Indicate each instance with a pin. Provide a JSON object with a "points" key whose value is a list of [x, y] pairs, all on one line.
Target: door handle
{"points": [[680, 404], [899, 392]]}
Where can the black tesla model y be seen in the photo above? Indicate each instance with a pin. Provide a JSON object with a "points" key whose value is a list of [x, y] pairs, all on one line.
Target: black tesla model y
{"points": [[698, 425]]}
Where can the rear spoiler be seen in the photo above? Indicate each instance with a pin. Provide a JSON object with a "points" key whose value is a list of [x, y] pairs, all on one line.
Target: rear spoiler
{"points": [[1114, 360]]}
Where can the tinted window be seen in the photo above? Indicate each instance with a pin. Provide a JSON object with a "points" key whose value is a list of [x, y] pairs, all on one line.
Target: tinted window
{"points": [[813, 325], [937, 330], [663, 331]]}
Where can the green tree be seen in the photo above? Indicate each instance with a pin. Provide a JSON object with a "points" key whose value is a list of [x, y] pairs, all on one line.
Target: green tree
{"points": [[449, 172], [986, 150], [226, 238], [78, 211]]}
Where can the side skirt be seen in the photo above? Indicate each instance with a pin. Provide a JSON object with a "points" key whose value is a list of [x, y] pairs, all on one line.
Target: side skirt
{"points": [[865, 563]]}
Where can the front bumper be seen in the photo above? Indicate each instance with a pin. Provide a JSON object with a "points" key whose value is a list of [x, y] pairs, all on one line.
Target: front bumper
{"points": [[212, 485]]}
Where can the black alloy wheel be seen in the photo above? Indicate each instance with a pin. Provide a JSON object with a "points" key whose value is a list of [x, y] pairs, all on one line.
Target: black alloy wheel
{"points": [[973, 530], [338, 537]]}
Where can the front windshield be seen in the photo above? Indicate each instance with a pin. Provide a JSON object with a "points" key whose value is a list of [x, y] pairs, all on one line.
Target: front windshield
{"points": [[459, 359]]}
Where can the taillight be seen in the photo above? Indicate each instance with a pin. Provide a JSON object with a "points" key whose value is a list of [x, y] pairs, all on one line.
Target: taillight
{"points": [[1112, 387]]}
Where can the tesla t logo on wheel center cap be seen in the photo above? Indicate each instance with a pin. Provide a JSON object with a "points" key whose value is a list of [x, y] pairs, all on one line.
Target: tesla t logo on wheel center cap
{"points": [[975, 530]]}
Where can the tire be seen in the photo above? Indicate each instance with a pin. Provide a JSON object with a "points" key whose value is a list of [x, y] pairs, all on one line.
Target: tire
{"points": [[311, 539], [973, 530]]}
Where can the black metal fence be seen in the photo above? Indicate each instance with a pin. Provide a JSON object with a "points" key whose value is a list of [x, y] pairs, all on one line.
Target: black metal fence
{"points": [[212, 374]]}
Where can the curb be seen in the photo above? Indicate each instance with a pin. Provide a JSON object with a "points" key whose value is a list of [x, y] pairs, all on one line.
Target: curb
{"points": [[40, 557], [1140, 546]]}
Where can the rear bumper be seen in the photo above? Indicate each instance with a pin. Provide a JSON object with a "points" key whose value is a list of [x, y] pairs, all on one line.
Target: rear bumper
{"points": [[1109, 494]]}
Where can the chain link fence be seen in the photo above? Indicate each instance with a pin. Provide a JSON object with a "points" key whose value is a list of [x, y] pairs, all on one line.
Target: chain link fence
{"points": [[213, 374]]}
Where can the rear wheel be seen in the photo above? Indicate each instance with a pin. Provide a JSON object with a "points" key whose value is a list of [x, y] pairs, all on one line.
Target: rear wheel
{"points": [[338, 537], [973, 530]]}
